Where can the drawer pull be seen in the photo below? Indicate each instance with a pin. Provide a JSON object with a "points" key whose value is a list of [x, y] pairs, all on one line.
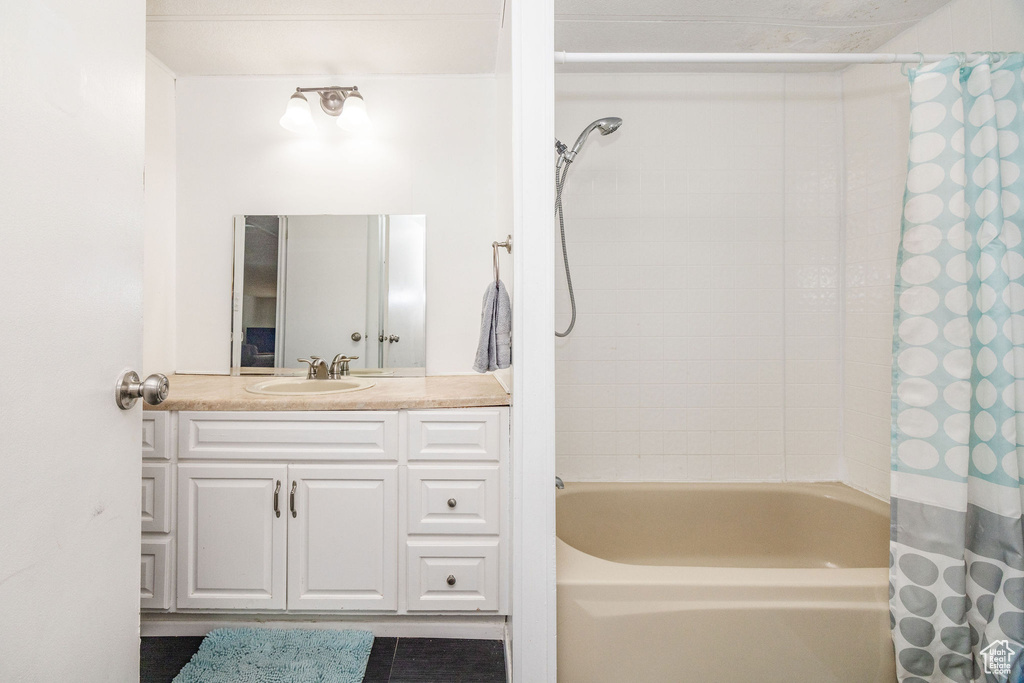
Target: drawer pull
{"points": [[291, 501], [452, 503], [451, 579], [277, 492]]}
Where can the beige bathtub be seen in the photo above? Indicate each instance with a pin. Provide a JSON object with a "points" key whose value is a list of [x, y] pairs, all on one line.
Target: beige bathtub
{"points": [[715, 583]]}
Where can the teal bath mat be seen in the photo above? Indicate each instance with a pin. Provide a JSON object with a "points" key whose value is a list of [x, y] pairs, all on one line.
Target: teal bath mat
{"points": [[266, 655]]}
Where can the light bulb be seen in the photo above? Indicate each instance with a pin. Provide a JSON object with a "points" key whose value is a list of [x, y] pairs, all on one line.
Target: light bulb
{"points": [[297, 117], [353, 113]]}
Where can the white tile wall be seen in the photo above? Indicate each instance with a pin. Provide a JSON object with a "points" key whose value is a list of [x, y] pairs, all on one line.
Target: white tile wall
{"points": [[719, 286], [876, 116], [704, 240]]}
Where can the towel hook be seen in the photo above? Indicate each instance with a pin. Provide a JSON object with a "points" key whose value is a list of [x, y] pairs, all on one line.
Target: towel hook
{"points": [[507, 244]]}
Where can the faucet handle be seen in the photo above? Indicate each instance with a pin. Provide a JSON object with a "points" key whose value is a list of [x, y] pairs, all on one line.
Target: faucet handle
{"points": [[312, 360], [339, 367]]}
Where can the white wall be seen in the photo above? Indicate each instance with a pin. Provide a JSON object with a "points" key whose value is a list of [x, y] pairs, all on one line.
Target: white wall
{"points": [[158, 283], [703, 237], [526, 75], [431, 151], [876, 114], [504, 139]]}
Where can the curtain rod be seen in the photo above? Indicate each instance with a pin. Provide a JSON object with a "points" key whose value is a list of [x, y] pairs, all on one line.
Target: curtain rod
{"points": [[562, 57]]}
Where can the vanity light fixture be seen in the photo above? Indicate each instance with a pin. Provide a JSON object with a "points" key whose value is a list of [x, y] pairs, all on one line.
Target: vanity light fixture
{"points": [[345, 103]]}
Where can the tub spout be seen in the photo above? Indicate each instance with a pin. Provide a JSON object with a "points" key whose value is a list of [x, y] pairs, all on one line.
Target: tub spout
{"points": [[558, 483]]}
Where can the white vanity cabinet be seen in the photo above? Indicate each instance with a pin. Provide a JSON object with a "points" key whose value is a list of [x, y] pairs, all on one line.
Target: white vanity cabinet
{"points": [[388, 512], [231, 542], [157, 511], [343, 538], [271, 536]]}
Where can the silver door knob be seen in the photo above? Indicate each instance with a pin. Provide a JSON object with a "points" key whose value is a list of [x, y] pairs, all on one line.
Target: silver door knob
{"points": [[356, 336], [393, 338], [153, 390]]}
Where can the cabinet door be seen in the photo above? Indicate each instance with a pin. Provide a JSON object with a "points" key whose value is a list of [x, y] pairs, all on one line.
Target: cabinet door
{"points": [[343, 538], [155, 590], [231, 542], [156, 498]]}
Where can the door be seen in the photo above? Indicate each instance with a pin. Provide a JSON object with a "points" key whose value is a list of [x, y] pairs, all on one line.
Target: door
{"points": [[343, 538], [71, 182], [325, 290], [405, 319], [232, 527]]}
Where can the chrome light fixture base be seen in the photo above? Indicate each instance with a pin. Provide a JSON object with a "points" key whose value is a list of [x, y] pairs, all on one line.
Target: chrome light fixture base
{"points": [[332, 102]]}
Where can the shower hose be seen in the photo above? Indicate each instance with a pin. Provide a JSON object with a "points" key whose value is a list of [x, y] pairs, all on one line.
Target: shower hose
{"points": [[559, 184]]}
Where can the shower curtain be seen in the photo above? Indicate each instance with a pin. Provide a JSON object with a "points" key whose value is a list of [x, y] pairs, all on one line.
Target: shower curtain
{"points": [[957, 546]]}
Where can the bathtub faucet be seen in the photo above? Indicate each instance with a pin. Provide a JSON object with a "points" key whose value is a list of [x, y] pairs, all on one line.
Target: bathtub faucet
{"points": [[558, 483]]}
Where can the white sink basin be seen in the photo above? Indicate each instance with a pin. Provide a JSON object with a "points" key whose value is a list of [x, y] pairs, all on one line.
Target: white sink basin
{"points": [[294, 386]]}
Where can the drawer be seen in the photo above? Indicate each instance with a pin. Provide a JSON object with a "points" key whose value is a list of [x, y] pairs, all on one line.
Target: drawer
{"points": [[453, 500], [452, 577], [156, 435], [156, 574], [305, 436], [156, 498], [454, 435]]}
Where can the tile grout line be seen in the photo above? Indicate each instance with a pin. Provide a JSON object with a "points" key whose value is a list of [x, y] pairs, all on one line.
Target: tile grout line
{"points": [[394, 656]]}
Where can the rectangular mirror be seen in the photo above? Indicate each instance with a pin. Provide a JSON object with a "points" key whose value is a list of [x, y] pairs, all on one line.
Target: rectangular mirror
{"points": [[324, 285]]}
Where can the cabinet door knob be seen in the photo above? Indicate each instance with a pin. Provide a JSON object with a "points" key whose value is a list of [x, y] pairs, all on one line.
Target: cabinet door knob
{"points": [[451, 580], [452, 502]]}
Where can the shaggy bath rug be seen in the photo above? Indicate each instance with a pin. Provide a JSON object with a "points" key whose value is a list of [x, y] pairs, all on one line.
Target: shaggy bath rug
{"points": [[265, 655]]}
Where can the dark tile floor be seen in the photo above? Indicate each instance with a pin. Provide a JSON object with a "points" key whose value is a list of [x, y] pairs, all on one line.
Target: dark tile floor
{"points": [[392, 660], [160, 659]]}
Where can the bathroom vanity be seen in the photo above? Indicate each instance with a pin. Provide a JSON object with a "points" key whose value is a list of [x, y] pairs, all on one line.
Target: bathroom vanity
{"points": [[388, 501]]}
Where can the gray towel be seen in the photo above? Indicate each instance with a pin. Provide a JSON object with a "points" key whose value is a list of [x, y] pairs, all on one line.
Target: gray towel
{"points": [[495, 349]]}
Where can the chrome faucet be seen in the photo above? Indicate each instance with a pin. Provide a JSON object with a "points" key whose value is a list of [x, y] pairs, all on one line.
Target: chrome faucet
{"points": [[339, 368], [317, 367], [558, 483]]}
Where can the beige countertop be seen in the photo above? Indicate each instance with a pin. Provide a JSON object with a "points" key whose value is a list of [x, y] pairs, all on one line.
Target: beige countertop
{"points": [[222, 392]]}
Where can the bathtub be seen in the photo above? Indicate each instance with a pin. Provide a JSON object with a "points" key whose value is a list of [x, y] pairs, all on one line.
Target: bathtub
{"points": [[716, 583]]}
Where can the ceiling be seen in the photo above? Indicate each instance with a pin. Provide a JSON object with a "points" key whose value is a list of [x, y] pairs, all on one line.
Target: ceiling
{"points": [[264, 37], [729, 26]]}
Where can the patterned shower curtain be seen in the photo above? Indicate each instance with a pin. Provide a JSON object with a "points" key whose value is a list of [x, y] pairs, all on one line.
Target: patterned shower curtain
{"points": [[957, 544]]}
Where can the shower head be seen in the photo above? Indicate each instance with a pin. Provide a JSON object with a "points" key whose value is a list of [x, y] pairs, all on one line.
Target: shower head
{"points": [[607, 125]]}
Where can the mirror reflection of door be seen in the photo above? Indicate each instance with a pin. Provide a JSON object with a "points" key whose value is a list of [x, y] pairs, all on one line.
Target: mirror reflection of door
{"points": [[406, 296], [323, 285], [259, 312]]}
